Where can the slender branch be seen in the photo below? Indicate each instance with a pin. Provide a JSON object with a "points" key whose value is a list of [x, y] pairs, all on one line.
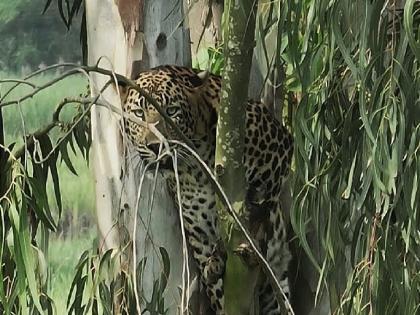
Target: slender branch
{"points": [[56, 122], [51, 67], [113, 76], [40, 88], [33, 74], [18, 81], [44, 130]]}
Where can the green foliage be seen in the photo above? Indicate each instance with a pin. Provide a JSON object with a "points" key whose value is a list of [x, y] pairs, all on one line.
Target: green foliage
{"points": [[156, 305], [102, 286], [357, 133], [30, 38], [36, 112], [211, 59], [100, 282], [61, 267], [67, 9], [26, 215]]}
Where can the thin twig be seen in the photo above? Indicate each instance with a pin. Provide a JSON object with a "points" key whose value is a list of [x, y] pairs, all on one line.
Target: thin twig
{"points": [[18, 81], [56, 122], [185, 267], [58, 65], [117, 77], [30, 139], [40, 88]]}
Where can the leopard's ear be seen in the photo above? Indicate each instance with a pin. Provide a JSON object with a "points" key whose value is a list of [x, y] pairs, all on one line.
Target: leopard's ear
{"points": [[122, 88], [203, 75], [199, 79]]}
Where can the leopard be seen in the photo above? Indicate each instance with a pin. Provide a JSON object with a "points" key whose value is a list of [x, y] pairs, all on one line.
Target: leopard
{"points": [[191, 100]]}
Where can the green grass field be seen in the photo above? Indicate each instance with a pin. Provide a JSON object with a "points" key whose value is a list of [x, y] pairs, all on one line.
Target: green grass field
{"points": [[64, 253], [77, 220]]}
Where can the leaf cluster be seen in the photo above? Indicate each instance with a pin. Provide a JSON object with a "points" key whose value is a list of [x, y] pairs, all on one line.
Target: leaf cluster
{"points": [[67, 10], [26, 215], [357, 133], [111, 286]]}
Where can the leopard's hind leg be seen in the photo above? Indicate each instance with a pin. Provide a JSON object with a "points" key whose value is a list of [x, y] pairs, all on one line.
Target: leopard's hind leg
{"points": [[278, 256]]}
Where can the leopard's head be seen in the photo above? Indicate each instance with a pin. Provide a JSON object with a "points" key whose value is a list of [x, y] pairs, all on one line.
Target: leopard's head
{"points": [[178, 95]]}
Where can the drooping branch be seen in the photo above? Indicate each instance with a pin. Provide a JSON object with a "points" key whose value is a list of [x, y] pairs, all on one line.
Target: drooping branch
{"points": [[35, 73], [56, 122], [115, 78]]}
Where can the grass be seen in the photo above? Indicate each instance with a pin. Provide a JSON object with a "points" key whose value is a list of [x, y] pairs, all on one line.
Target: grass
{"points": [[62, 267]]}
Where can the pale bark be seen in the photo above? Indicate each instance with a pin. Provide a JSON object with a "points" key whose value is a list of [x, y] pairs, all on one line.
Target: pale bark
{"points": [[161, 42], [105, 36], [206, 23]]}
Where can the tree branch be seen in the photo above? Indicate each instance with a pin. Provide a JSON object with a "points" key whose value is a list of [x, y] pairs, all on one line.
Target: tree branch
{"points": [[115, 77], [33, 74], [45, 130]]}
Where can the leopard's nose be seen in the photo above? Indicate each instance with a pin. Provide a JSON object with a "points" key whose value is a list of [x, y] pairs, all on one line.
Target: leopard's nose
{"points": [[154, 147]]}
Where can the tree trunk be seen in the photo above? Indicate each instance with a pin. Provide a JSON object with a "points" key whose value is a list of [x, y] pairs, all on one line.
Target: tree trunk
{"points": [[113, 31], [239, 44]]}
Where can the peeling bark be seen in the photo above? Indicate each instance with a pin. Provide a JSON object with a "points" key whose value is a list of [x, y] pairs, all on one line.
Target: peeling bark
{"points": [[116, 180], [131, 13]]}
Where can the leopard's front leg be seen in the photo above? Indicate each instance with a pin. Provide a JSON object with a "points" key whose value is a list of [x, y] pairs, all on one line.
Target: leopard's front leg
{"points": [[201, 226]]}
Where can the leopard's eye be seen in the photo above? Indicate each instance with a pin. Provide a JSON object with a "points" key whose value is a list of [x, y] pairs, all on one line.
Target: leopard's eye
{"points": [[173, 110], [139, 113]]}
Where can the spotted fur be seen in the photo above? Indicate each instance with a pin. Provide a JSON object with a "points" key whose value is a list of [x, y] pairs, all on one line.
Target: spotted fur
{"points": [[192, 104]]}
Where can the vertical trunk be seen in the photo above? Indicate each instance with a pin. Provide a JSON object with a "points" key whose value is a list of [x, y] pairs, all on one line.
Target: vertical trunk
{"points": [[105, 37], [239, 44], [129, 48]]}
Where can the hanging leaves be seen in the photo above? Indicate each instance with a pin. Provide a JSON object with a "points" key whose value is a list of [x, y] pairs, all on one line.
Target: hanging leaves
{"points": [[66, 8], [355, 173]]}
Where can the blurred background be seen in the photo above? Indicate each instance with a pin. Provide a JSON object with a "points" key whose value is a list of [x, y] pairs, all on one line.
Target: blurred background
{"points": [[29, 41]]}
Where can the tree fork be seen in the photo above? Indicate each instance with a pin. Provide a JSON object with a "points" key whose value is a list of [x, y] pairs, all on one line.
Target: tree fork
{"points": [[238, 37]]}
